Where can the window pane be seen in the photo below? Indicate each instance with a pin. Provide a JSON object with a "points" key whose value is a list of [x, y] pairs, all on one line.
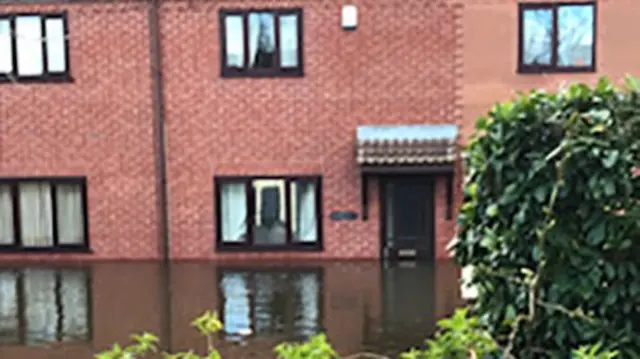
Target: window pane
{"points": [[9, 326], [6, 216], [234, 37], [575, 35], [288, 41], [74, 291], [270, 217], [6, 52], [40, 305], [304, 221], [36, 217], [537, 35], [234, 212], [261, 40], [56, 47], [29, 37], [70, 211]]}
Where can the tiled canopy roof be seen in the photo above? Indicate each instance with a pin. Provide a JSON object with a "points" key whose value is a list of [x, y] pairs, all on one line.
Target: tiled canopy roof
{"points": [[406, 145]]}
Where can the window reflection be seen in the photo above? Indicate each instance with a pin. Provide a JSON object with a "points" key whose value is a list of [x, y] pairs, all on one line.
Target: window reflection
{"points": [[271, 302], [559, 37], [39, 306], [9, 307], [538, 33], [575, 35]]}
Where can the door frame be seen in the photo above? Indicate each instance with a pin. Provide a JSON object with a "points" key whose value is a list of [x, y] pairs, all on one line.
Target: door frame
{"points": [[382, 200]]}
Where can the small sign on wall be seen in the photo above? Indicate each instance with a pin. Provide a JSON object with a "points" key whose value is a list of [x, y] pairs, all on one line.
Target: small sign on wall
{"points": [[343, 216]]}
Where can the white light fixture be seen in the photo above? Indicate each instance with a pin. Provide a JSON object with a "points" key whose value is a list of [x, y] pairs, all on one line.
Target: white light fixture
{"points": [[349, 17]]}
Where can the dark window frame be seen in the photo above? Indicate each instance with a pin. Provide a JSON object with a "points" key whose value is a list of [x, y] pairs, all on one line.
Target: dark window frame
{"points": [[278, 71], [248, 245], [21, 307], [46, 76], [17, 246], [554, 67]]}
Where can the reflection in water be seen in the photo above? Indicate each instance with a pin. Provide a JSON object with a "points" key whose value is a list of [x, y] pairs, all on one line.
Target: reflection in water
{"points": [[43, 306], [270, 302], [364, 306]]}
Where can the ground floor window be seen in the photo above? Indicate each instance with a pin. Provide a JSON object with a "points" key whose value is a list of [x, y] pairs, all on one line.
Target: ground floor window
{"points": [[37, 214], [268, 212]]}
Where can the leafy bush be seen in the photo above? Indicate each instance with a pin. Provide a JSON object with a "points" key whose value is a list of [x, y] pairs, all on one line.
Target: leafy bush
{"points": [[458, 337], [551, 221]]}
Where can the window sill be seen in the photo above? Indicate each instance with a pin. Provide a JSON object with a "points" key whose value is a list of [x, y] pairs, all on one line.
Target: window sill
{"points": [[229, 73], [316, 247], [57, 79], [554, 70], [45, 250]]}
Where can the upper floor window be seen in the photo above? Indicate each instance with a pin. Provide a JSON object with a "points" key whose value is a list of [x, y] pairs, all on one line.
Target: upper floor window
{"points": [[268, 212], [261, 42], [557, 37], [43, 215], [33, 47]]}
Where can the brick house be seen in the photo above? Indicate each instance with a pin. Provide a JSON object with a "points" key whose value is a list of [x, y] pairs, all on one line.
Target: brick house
{"points": [[261, 130]]}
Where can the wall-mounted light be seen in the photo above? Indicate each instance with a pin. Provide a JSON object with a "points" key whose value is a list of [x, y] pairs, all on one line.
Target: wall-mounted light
{"points": [[349, 17]]}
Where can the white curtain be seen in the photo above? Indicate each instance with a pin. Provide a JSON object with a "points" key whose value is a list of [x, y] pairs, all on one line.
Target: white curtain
{"points": [[70, 210], [307, 220], [6, 216], [234, 33], [56, 52], [40, 305], [288, 40], [74, 293], [9, 327], [36, 214], [234, 212], [237, 312], [29, 40], [6, 63]]}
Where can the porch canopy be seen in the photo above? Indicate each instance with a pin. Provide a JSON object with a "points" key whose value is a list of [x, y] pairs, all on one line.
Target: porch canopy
{"points": [[406, 149]]}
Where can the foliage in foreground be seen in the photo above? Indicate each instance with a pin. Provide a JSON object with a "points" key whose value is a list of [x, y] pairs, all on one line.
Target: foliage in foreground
{"points": [[551, 221], [458, 337]]}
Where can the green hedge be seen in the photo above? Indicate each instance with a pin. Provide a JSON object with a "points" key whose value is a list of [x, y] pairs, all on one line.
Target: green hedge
{"points": [[550, 220]]}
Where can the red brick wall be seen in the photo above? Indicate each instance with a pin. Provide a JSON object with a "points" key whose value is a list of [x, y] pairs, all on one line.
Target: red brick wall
{"points": [[398, 67], [491, 53], [99, 126]]}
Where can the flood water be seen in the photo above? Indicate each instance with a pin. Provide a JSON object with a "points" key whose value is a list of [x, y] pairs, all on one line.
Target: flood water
{"points": [[74, 311]]}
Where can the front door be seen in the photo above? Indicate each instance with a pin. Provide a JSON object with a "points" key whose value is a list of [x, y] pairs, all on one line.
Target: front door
{"points": [[408, 218]]}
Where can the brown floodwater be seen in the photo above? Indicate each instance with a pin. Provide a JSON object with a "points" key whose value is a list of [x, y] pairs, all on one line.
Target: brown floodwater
{"points": [[74, 311]]}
